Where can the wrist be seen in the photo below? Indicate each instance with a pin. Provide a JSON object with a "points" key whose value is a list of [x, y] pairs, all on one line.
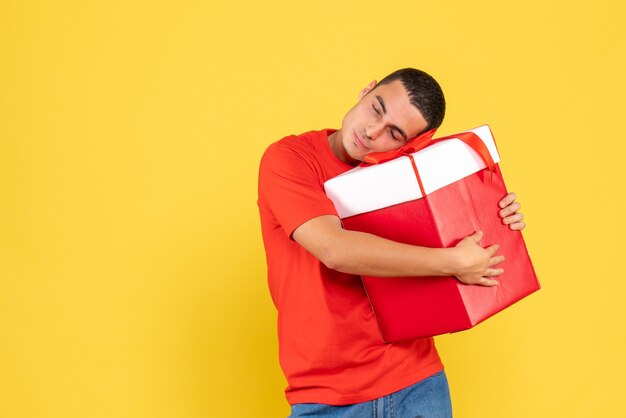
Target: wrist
{"points": [[449, 259]]}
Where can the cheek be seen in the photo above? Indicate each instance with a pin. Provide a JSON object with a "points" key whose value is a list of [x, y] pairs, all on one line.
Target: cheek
{"points": [[356, 116], [348, 120]]}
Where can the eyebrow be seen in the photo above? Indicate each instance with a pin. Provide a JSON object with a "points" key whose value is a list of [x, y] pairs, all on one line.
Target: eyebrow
{"points": [[382, 105]]}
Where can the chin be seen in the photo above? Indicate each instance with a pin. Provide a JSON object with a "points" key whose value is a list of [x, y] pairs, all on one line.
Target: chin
{"points": [[358, 157]]}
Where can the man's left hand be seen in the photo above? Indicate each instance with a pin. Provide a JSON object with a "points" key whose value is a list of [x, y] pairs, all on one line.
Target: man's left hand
{"points": [[509, 212]]}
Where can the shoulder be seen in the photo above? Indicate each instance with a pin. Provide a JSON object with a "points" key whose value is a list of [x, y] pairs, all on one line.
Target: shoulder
{"points": [[302, 143], [295, 149]]}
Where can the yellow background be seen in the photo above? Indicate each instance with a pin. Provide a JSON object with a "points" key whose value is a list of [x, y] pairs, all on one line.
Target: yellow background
{"points": [[132, 273]]}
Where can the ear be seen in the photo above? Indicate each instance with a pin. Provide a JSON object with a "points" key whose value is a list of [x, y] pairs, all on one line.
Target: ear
{"points": [[367, 89]]}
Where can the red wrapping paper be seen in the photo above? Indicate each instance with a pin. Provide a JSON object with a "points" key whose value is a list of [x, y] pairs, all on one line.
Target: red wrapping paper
{"points": [[411, 307]]}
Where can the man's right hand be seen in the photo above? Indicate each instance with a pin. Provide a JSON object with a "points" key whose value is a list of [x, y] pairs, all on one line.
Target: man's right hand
{"points": [[475, 264]]}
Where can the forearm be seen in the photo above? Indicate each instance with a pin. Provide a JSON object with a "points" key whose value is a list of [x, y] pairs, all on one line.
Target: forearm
{"points": [[370, 255], [365, 254]]}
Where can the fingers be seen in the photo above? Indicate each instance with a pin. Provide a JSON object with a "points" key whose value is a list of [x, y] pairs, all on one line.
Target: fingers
{"points": [[508, 199], [515, 222], [512, 208], [487, 282], [493, 272], [492, 250], [513, 218], [477, 236], [487, 279], [495, 260]]}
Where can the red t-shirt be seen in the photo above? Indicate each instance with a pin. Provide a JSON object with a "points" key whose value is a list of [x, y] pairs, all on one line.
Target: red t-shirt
{"points": [[330, 348]]}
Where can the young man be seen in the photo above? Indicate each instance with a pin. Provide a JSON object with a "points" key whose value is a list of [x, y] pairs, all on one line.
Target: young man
{"points": [[329, 345]]}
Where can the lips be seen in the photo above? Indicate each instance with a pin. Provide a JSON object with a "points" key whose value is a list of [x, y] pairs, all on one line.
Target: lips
{"points": [[359, 142]]}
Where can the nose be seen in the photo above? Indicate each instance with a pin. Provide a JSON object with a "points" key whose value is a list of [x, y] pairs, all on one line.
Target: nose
{"points": [[372, 131]]}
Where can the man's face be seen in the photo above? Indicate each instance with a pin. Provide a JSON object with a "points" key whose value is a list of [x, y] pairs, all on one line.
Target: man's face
{"points": [[382, 120]]}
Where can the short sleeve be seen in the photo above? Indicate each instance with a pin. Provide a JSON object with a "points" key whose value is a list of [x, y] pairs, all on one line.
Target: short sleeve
{"points": [[291, 187]]}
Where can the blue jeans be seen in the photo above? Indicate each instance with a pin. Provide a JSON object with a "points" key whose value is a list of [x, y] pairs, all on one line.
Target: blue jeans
{"points": [[429, 398]]}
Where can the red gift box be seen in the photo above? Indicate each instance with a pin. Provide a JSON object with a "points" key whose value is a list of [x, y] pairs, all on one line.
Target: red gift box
{"points": [[452, 193]]}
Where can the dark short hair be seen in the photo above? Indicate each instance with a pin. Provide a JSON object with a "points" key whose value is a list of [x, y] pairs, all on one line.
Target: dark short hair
{"points": [[424, 93]]}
